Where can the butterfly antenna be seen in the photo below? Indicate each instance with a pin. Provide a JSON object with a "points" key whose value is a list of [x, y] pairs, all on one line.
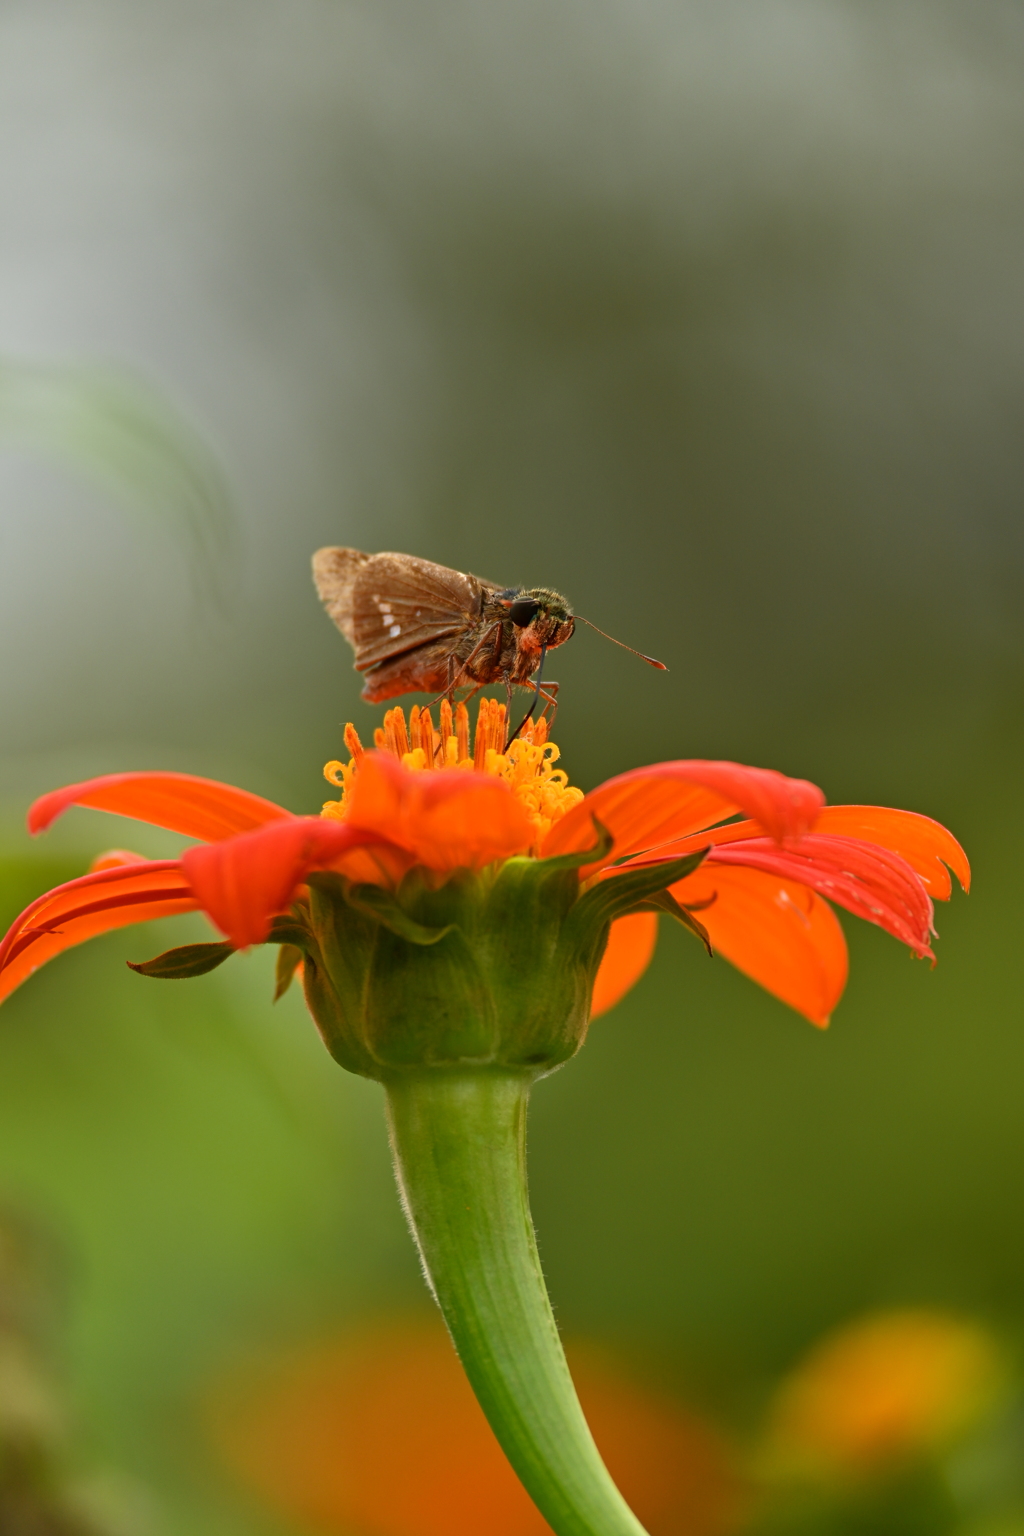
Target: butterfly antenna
{"points": [[649, 659]]}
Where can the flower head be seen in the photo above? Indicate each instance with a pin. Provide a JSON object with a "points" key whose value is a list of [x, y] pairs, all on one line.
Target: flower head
{"points": [[541, 793], [433, 822]]}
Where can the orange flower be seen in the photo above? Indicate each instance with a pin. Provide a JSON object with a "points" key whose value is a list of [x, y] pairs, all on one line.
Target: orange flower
{"points": [[423, 800], [378, 1431], [881, 1390]]}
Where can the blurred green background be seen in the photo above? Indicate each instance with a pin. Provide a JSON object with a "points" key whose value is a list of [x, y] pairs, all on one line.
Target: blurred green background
{"points": [[708, 315]]}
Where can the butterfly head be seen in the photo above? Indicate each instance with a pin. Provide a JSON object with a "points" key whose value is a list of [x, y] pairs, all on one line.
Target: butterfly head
{"points": [[540, 617]]}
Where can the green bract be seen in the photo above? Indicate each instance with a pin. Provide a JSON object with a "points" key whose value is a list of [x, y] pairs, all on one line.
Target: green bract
{"points": [[488, 969]]}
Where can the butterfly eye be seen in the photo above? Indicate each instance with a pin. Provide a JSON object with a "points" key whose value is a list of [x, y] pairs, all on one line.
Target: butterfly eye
{"points": [[523, 611]]}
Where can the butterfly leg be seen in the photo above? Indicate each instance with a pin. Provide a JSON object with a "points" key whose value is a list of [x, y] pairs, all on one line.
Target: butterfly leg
{"points": [[456, 672], [549, 693], [507, 680], [537, 691], [444, 694], [494, 633]]}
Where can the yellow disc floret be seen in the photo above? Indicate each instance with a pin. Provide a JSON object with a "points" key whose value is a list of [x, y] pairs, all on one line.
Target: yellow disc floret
{"points": [[527, 764]]}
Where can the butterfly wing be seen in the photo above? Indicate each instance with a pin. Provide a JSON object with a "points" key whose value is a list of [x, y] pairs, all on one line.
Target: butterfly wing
{"points": [[389, 604], [334, 575]]}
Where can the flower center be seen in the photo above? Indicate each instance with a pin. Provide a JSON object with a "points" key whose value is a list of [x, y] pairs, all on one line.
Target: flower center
{"points": [[527, 765]]}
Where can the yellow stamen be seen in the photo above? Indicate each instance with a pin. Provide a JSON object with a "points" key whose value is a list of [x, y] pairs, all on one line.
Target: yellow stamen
{"points": [[395, 738], [490, 731], [527, 766], [461, 732], [426, 735]]}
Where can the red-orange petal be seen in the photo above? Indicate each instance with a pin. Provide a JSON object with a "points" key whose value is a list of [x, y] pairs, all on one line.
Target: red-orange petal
{"points": [[869, 881], [446, 820], [93, 904], [181, 802], [244, 882], [649, 806], [116, 858], [631, 944], [678, 847], [779, 933], [925, 844]]}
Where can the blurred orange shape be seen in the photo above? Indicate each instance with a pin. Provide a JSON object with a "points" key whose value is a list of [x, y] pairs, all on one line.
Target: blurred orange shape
{"points": [[380, 1435], [883, 1390]]}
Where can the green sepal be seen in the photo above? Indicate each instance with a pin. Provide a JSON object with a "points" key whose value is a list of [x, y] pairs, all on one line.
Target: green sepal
{"points": [[289, 930], [664, 901], [543, 988], [492, 984], [601, 849], [289, 958], [374, 901], [585, 933], [382, 999], [186, 961], [614, 896], [476, 968]]}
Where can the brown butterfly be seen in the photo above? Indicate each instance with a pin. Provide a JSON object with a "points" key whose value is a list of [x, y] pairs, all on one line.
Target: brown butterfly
{"points": [[417, 627]]}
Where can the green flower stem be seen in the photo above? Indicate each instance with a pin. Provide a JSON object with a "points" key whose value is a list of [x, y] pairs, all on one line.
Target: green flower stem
{"points": [[459, 1144]]}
